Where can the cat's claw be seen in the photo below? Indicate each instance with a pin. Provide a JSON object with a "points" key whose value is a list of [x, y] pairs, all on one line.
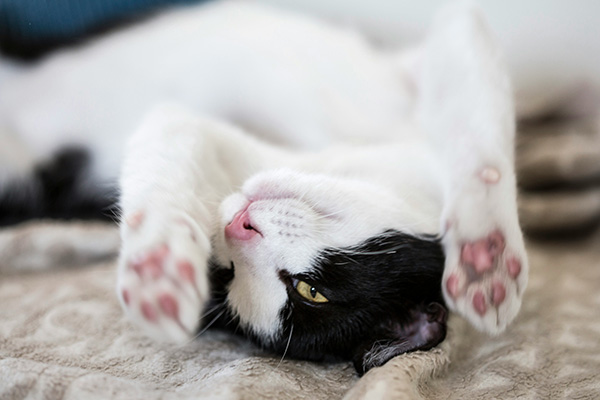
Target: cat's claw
{"points": [[483, 281], [161, 286]]}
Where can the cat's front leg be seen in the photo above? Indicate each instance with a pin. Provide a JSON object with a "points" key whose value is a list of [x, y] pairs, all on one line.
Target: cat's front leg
{"points": [[172, 182]]}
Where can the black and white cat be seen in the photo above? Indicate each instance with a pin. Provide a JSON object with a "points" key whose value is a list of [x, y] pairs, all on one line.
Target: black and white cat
{"points": [[382, 188]]}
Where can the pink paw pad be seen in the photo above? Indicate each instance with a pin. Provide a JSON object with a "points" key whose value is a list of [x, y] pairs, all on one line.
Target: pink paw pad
{"points": [[514, 267], [480, 255], [498, 293], [186, 271], [168, 305], [135, 219], [484, 275], [479, 302], [151, 264], [453, 285], [148, 311], [490, 175]]}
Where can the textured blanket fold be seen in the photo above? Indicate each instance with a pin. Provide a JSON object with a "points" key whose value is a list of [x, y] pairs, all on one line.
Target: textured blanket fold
{"points": [[558, 168]]}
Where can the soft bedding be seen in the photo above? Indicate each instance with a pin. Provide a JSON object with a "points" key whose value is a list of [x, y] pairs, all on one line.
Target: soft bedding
{"points": [[63, 334]]}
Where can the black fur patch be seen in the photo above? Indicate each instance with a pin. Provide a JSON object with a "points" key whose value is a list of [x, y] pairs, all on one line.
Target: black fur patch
{"points": [[57, 189], [384, 299]]}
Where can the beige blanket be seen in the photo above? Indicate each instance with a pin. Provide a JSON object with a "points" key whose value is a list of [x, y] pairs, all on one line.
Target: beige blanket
{"points": [[63, 335]]}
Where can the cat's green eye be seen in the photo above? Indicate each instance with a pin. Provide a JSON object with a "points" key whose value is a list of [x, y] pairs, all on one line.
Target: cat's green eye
{"points": [[310, 293]]}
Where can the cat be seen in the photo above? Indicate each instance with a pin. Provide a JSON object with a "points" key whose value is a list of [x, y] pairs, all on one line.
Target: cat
{"points": [[325, 199]]}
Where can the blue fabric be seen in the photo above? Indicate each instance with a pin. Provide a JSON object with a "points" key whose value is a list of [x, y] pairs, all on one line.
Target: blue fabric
{"points": [[39, 22]]}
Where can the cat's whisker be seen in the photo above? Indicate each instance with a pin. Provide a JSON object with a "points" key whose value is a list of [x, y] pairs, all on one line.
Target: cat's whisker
{"points": [[390, 250], [188, 341], [113, 212], [321, 216], [302, 195], [197, 335], [213, 309], [287, 346], [237, 326], [211, 323], [232, 319], [315, 205]]}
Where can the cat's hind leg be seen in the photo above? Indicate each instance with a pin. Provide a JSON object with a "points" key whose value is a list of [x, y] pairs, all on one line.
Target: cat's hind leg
{"points": [[465, 107]]}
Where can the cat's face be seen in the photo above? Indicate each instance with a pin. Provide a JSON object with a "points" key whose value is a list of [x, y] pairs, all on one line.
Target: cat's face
{"points": [[329, 268]]}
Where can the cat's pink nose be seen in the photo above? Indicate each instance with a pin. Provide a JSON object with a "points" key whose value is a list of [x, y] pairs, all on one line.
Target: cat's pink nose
{"points": [[240, 227]]}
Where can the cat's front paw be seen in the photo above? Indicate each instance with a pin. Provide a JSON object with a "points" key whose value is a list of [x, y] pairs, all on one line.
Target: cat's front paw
{"points": [[162, 281], [484, 279]]}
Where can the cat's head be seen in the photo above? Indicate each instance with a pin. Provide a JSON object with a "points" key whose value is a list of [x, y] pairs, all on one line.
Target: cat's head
{"points": [[328, 268]]}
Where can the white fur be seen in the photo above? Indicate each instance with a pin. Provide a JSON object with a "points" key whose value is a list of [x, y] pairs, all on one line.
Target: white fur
{"points": [[222, 60], [432, 119]]}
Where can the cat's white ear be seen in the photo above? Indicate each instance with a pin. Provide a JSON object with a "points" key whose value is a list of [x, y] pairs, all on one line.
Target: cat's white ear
{"points": [[461, 82]]}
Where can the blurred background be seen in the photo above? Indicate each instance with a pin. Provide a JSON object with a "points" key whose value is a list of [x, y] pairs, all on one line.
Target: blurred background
{"points": [[552, 48]]}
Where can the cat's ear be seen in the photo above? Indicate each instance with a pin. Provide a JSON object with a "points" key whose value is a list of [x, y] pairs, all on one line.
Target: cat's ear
{"points": [[425, 328], [459, 78]]}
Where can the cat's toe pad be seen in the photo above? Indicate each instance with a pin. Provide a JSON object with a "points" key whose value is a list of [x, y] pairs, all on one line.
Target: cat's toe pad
{"points": [[159, 290], [482, 282]]}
